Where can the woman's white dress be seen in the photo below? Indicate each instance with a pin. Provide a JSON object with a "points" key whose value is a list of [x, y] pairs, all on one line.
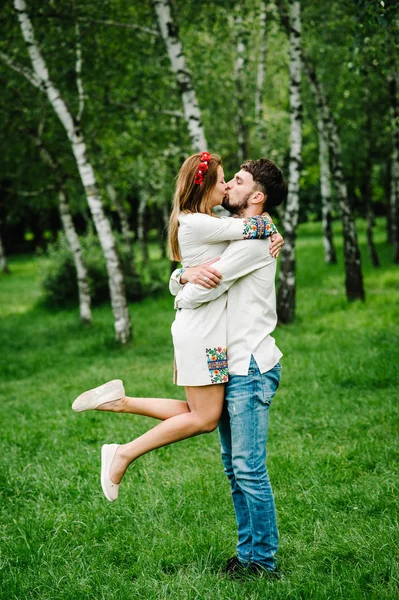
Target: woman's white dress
{"points": [[199, 336]]}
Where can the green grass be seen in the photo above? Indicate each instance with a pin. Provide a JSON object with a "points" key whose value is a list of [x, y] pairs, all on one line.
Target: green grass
{"points": [[332, 455]]}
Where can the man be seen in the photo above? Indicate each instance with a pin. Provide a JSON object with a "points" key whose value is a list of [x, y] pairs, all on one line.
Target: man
{"points": [[246, 271]]}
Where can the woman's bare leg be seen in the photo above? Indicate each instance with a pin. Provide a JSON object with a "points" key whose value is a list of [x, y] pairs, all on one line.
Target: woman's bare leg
{"points": [[158, 408], [205, 402]]}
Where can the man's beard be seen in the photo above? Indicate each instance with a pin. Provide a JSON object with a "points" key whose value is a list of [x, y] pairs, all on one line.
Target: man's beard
{"points": [[237, 209]]}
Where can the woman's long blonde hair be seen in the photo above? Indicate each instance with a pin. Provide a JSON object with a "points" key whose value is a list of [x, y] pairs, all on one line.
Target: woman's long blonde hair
{"points": [[190, 197]]}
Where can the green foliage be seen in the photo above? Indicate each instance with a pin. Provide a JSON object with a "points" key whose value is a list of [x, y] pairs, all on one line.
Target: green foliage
{"points": [[59, 278], [135, 134]]}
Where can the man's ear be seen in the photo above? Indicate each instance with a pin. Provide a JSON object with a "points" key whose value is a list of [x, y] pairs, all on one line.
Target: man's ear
{"points": [[258, 198]]}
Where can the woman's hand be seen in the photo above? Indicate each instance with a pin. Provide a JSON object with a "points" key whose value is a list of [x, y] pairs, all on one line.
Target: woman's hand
{"points": [[204, 275], [276, 240], [276, 243]]}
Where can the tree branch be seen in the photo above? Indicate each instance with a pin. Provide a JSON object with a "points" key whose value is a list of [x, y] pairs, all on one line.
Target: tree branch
{"points": [[162, 111], [47, 157], [46, 188], [25, 71], [118, 24], [106, 22], [78, 69], [42, 119]]}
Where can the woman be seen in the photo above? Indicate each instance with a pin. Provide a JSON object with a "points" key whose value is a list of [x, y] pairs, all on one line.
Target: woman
{"points": [[199, 336]]}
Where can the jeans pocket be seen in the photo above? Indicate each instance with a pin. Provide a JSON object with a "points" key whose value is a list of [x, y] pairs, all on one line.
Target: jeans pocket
{"points": [[270, 383]]}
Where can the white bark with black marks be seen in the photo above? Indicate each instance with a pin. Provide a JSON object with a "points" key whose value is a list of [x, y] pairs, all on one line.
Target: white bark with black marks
{"points": [[239, 73], [3, 259], [70, 233], [165, 220], [76, 248], [170, 34], [260, 79], [366, 186], [78, 71], [142, 226], [353, 269], [325, 189], [287, 284], [388, 189], [394, 195], [127, 232], [76, 139], [375, 261]]}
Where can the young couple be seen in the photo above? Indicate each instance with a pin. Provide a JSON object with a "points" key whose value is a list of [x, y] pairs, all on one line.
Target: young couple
{"points": [[225, 357]]}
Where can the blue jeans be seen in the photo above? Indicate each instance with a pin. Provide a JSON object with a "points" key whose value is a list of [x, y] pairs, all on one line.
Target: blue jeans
{"points": [[243, 437]]}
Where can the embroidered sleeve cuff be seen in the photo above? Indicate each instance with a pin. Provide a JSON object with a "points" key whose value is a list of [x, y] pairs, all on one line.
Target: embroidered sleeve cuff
{"points": [[259, 227], [176, 276]]}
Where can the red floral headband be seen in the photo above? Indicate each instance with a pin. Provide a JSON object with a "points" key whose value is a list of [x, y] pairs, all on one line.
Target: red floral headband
{"points": [[202, 167]]}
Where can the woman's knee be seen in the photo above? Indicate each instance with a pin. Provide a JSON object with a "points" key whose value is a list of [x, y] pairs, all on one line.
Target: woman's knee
{"points": [[210, 426], [206, 424]]}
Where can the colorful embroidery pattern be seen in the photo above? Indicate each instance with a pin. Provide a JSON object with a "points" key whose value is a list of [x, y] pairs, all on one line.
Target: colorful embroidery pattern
{"points": [[258, 227], [217, 364]]}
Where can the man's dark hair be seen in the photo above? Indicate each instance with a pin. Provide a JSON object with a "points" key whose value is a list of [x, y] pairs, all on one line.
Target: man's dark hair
{"points": [[268, 179]]}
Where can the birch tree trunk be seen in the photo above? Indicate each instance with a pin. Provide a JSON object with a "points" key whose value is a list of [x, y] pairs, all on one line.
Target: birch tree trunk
{"points": [[127, 233], [164, 226], [375, 261], [70, 234], [325, 187], [239, 72], [367, 188], [142, 228], [353, 268], [388, 190], [76, 138], [286, 288], [170, 34], [81, 270], [3, 259], [394, 196], [260, 79]]}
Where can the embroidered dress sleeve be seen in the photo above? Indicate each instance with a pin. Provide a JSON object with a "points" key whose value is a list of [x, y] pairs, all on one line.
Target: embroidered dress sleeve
{"points": [[174, 282], [207, 230], [238, 260]]}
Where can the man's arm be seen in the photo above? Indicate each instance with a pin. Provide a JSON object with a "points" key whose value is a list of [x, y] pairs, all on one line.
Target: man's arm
{"points": [[209, 277], [239, 259], [205, 275]]}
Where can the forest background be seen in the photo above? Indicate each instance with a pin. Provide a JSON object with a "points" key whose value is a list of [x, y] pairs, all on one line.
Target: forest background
{"points": [[101, 103]]}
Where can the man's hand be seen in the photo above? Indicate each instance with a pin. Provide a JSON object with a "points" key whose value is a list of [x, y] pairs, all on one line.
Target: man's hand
{"points": [[276, 243], [204, 275]]}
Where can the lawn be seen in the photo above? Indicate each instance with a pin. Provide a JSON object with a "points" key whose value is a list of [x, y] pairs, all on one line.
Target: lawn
{"points": [[332, 455]]}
